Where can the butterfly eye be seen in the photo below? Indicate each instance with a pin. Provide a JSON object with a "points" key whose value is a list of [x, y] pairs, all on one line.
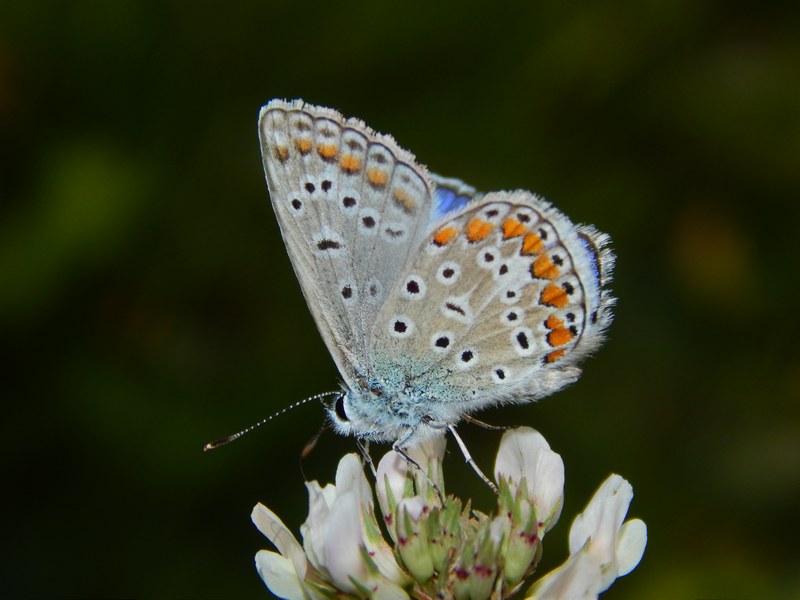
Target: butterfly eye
{"points": [[340, 409]]}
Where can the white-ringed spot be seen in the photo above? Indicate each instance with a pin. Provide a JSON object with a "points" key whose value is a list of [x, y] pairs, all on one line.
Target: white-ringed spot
{"points": [[442, 341], [511, 296], [467, 358], [512, 317], [368, 221], [523, 341], [401, 327], [458, 309], [448, 273], [488, 257], [501, 374], [328, 242], [414, 288]]}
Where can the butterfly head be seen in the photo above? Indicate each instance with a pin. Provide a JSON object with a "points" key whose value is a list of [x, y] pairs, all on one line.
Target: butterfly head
{"points": [[373, 412], [351, 413]]}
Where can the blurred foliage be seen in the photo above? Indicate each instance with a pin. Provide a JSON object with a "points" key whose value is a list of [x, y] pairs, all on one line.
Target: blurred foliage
{"points": [[147, 304]]}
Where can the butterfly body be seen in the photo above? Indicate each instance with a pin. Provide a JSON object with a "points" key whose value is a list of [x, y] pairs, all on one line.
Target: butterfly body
{"points": [[434, 301]]}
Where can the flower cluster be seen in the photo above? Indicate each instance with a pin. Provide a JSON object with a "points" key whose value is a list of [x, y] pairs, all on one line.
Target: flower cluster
{"points": [[447, 549]]}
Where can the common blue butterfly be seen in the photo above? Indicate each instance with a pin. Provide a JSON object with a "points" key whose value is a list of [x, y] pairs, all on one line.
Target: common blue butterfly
{"points": [[435, 301]]}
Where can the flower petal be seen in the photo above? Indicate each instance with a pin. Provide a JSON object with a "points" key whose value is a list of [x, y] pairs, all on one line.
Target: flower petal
{"points": [[313, 529], [279, 575], [579, 578], [517, 449], [392, 468], [271, 526], [602, 519], [429, 455], [630, 545], [350, 476], [524, 453], [343, 540], [599, 528], [548, 489]]}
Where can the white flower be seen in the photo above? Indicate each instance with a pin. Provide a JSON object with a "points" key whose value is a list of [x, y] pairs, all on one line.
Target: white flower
{"points": [[429, 455], [341, 540], [577, 579], [390, 484], [443, 547], [283, 573], [618, 547], [602, 547], [525, 455]]}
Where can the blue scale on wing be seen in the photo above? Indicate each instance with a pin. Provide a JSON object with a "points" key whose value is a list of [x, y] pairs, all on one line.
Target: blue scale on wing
{"points": [[449, 196]]}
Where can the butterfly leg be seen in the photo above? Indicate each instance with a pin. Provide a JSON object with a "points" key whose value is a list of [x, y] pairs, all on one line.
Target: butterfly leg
{"points": [[470, 460], [485, 425], [363, 448], [398, 447]]}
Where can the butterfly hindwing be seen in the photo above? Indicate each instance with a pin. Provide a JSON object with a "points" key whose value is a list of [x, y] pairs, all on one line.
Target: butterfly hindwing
{"points": [[502, 300]]}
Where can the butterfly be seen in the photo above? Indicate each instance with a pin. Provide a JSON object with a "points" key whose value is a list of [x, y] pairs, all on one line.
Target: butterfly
{"points": [[435, 301]]}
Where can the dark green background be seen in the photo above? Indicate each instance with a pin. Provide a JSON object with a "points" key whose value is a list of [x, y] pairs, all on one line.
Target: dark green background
{"points": [[147, 304]]}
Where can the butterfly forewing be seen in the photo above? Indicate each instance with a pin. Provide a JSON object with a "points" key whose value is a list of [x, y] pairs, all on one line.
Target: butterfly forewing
{"points": [[352, 207]]}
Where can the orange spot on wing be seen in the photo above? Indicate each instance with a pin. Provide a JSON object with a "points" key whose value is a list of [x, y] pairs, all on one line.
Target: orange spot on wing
{"points": [[304, 146], [553, 322], [281, 153], [553, 295], [404, 200], [327, 151], [350, 163], [477, 229], [555, 355], [513, 228], [543, 267], [444, 236], [531, 244], [559, 337], [377, 177]]}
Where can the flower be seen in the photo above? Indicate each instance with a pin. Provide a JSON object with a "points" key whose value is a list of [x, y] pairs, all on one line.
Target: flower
{"points": [[599, 530], [342, 546], [525, 458], [601, 546], [438, 546]]}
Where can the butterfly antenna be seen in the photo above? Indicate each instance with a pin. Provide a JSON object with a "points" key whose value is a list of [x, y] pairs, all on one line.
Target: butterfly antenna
{"points": [[236, 436]]}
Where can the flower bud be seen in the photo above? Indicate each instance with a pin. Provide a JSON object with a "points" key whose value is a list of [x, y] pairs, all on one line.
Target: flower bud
{"points": [[412, 538]]}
